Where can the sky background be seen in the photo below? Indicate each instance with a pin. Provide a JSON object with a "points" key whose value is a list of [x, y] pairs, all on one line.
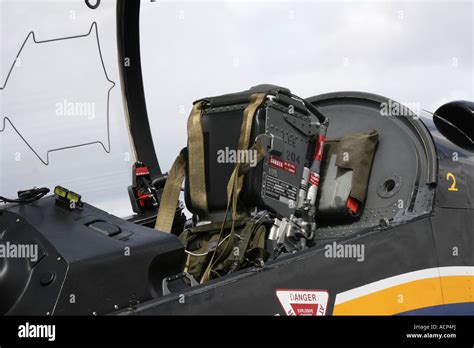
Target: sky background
{"points": [[411, 51]]}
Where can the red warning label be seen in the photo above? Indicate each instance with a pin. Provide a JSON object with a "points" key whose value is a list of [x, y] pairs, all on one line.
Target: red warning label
{"points": [[281, 164], [307, 309], [303, 302]]}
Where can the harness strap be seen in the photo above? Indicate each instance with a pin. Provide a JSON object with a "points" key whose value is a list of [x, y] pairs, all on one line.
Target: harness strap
{"points": [[196, 158], [170, 196], [235, 183]]}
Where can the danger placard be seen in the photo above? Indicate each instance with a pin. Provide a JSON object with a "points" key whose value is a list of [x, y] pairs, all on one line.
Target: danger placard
{"points": [[303, 302]]}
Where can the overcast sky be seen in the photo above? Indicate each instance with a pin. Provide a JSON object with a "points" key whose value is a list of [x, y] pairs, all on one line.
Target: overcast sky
{"points": [[411, 51]]}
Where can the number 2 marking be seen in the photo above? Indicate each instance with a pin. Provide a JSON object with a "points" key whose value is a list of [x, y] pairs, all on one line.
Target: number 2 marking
{"points": [[453, 186]]}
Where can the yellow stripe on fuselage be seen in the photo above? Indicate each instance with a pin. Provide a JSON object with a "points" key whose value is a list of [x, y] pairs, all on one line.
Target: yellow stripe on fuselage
{"points": [[407, 296]]}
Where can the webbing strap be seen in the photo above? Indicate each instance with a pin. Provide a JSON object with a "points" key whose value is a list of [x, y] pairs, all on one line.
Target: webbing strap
{"points": [[232, 194], [235, 183], [256, 101], [170, 196], [196, 165], [231, 204]]}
